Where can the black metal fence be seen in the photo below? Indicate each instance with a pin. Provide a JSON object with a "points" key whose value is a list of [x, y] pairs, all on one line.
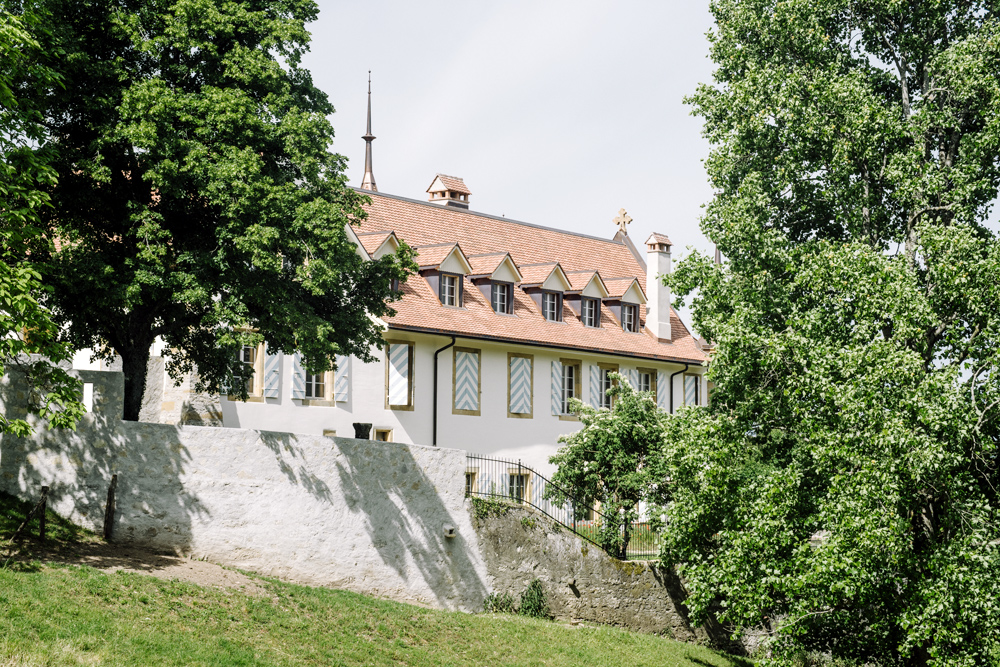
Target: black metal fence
{"points": [[514, 482]]}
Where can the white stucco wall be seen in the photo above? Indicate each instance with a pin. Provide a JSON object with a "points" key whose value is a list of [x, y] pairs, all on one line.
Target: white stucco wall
{"points": [[353, 514]]}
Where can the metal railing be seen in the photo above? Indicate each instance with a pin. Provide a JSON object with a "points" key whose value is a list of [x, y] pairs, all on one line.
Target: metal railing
{"points": [[514, 482]]}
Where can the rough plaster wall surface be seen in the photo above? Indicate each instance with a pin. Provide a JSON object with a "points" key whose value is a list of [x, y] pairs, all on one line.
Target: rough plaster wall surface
{"points": [[152, 397], [354, 514], [581, 582]]}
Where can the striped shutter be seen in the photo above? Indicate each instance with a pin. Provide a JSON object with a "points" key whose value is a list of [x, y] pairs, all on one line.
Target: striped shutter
{"points": [[341, 376], [691, 390], [662, 390], [399, 374], [557, 380], [272, 375], [298, 377], [595, 385], [633, 377], [520, 385], [467, 381]]}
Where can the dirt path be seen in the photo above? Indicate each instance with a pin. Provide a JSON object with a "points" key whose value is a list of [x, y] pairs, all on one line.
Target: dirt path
{"points": [[113, 558]]}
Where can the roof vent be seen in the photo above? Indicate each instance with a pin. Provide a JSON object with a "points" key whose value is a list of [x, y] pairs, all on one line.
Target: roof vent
{"points": [[449, 191]]}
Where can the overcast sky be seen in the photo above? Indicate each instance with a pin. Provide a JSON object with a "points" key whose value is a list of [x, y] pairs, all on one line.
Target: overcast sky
{"points": [[555, 113]]}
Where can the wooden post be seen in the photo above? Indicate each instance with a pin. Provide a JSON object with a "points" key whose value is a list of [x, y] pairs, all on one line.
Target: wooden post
{"points": [[41, 516], [39, 505], [109, 509]]}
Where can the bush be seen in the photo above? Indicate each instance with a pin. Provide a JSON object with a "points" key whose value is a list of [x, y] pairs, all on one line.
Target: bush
{"points": [[533, 601], [499, 603]]}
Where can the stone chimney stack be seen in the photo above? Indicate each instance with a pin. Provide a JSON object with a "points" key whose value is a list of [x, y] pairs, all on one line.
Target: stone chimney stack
{"points": [[657, 294], [449, 191]]}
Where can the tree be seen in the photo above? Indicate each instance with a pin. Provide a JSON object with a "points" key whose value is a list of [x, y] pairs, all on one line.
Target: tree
{"points": [[841, 488], [197, 201], [26, 328], [608, 461]]}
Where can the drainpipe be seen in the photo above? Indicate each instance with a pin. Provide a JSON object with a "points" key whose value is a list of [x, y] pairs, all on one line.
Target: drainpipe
{"points": [[683, 370], [434, 418]]}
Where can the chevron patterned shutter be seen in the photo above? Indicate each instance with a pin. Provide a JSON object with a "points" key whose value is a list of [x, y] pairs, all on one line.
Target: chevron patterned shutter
{"points": [[466, 380], [690, 390], [633, 377], [341, 378], [557, 380], [662, 390], [520, 385], [399, 374], [595, 385], [298, 377], [272, 375]]}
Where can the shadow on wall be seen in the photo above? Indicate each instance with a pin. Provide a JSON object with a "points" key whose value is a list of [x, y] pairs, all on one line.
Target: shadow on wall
{"points": [[153, 507]]}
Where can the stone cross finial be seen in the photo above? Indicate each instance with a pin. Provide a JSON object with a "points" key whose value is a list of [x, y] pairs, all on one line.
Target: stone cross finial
{"points": [[622, 220]]}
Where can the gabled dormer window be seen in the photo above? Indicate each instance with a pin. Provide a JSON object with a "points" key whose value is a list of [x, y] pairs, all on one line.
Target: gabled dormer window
{"points": [[450, 289], [590, 312], [630, 317], [552, 306], [502, 298]]}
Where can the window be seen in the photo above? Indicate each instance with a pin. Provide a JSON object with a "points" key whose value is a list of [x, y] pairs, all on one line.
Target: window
{"points": [[330, 433], [519, 385], [399, 375], [630, 317], [552, 306], [451, 290], [692, 389], [645, 381], [250, 356], [465, 383], [590, 312], [471, 482], [394, 285], [383, 434], [570, 384], [518, 487], [316, 385], [501, 297], [605, 383]]}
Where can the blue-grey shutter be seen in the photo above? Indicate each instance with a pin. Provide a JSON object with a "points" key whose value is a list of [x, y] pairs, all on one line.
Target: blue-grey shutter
{"points": [[399, 374], [272, 375], [662, 390], [466, 380], [633, 377], [298, 377], [595, 386], [691, 390], [520, 385], [341, 378], [557, 380]]}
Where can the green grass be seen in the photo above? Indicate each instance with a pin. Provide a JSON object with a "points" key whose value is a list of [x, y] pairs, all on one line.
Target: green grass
{"points": [[57, 530], [68, 615]]}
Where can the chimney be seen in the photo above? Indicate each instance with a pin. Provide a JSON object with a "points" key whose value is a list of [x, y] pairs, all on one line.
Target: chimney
{"points": [[657, 294], [449, 191]]}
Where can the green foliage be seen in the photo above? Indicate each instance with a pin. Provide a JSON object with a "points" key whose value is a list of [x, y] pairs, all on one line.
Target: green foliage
{"points": [[484, 508], [608, 462], [500, 603], [533, 602], [841, 488], [197, 198], [527, 522], [26, 326]]}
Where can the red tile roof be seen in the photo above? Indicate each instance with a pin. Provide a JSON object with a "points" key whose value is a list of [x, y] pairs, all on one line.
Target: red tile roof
{"points": [[453, 183], [423, 224], [656, 237], [487, 263]]}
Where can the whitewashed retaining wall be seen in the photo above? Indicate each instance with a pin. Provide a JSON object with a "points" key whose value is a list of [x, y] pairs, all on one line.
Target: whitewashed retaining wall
{"points": [[354, 514]]}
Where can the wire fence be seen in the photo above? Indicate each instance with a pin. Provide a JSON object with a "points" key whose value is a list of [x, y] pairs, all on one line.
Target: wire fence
{"points": [[512, 481]]}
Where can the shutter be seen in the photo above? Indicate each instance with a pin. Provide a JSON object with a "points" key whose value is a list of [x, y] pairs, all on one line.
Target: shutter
{"points": [[662, 390], [595, 384], [467, 381], [520, 385], [557, 380], [341, 381], [633, 377], [298, 377], [399, 374], [272, 375], [690, 390]]}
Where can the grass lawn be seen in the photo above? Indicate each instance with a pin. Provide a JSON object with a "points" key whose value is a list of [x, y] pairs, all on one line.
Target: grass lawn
{"points": [[71, 615]]}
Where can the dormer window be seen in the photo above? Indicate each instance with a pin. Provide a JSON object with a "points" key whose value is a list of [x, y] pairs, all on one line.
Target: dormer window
{"points": [[590, 312], [501, 297], [450, 289], [630, 317], [552, 306]]}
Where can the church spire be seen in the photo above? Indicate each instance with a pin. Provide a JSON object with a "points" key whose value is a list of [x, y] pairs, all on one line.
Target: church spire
{"points": [[368, 183]]}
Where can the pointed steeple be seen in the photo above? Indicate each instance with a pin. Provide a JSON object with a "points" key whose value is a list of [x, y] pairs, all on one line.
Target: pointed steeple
{"points": [[368, 183]]}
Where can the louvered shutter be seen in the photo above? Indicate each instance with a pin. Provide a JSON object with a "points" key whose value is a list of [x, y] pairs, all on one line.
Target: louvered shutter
{"points": [[272, 375], [520, 385], [557, 380], [633, 377], [341, 378], [467, 381], [690, 390], [662, 390], [595, 386], [399, 374], [298, 377]]}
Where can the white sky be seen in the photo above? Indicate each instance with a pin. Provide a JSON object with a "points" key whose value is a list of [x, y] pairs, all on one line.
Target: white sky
{"points": [[554, 112]]}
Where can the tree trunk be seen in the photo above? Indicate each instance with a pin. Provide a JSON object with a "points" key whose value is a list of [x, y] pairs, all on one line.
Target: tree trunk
{"points": [[134, 363]]}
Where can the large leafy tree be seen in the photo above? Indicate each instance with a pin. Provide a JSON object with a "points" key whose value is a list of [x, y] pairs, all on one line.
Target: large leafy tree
{"points": [[840, 491], [28, 335], [197, 199]]}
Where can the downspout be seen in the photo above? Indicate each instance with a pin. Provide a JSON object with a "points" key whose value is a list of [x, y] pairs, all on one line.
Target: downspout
{"points": [[434, 418], [683, 370]]}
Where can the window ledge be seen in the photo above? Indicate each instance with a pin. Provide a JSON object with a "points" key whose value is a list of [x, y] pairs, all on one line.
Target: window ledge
{"points": [[316, 402], [249, 399], [569, 418]]}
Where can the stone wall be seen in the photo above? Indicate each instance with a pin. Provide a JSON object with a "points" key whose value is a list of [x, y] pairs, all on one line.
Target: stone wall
{"points": [[581, 582], [354, 514]]}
